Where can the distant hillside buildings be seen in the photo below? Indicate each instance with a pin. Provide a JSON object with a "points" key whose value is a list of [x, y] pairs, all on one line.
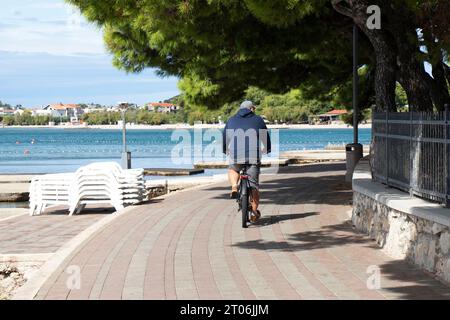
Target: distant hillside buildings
{"points": [[331, 117], [73, 110], [9, 112], [62, 110], [162, 107]]}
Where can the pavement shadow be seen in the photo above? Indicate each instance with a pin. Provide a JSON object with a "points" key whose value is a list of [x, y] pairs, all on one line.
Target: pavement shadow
{"points": [[324, 184], [89, 210], [421, 286], [150, 201], [313, 168], [325, 237], [323, 188], [269, 220], [407, 281]]}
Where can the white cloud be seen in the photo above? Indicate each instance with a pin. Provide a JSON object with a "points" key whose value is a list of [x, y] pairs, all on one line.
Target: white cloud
{"points": [[53, 27], [48, 52]]}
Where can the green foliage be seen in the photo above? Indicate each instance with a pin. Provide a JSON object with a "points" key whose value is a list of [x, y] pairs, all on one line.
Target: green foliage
{"points": [[26, 119], [101, 117], [220, 48], [291, 107], [4, 105], [8, 120], [138, 116], [363, 117], [401, 100]]}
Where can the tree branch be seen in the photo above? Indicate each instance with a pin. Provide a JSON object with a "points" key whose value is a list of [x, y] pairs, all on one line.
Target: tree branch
{"points": [[346, 11], [447, 71]]}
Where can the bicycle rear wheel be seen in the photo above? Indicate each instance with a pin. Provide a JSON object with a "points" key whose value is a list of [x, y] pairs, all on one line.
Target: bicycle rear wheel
{"points": [[244, 204]]}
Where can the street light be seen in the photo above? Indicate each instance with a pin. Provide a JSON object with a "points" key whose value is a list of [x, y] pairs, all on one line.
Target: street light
{"points": [[126, 155], [354, 151]]}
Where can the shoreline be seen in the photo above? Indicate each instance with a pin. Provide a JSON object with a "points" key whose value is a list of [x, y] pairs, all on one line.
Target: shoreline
{"points": [[187, 126]]}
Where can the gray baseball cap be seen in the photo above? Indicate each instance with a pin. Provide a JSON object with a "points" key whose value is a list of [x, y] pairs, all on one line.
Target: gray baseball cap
{"points": [[247, 104]]}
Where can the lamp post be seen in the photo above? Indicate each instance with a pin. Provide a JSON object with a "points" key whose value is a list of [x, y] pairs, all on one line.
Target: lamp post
{"points": [[354, 151], [126, 155]]}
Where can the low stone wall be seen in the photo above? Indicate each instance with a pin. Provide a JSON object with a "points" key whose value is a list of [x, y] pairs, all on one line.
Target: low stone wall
{"points": [[403, 235], [156, 191]]}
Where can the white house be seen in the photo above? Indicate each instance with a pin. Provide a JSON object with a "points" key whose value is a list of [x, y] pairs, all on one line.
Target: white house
{"points": [[64, 110], [7, 112], [162, 107], [44, 112]]}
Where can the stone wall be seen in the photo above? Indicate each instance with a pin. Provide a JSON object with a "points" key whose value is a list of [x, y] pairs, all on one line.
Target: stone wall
{"points": [[154, 192], [404, 236]]}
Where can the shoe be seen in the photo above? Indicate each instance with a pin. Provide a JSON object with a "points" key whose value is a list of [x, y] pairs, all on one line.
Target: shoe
{"points": [[254, 216], [234, 193]]}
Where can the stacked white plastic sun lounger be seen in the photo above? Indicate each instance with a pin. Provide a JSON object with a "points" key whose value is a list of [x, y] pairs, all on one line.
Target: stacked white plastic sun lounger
{"points": [[50, 190], [97, 183]]}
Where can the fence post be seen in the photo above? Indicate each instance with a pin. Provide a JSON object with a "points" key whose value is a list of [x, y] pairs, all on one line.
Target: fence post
{"points": [[447, 158], [387, 147], [411, 165]]}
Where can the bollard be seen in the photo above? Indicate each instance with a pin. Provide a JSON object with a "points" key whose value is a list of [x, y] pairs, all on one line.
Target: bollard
{"points": [[126, 160], [354, 152]]}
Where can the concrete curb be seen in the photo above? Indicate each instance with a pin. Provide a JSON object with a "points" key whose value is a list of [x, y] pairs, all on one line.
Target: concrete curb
{"points": [[14, 216], [27, 257]]}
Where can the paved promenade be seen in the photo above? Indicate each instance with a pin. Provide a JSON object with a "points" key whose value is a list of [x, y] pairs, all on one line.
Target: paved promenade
{"points": [[190, 246], [46, 233]]}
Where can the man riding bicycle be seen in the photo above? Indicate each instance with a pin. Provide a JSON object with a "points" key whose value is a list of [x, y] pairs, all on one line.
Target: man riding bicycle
{"points": [[242, 138]]}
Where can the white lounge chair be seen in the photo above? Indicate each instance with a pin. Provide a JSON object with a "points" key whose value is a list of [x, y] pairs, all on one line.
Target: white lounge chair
{"points": [[49, 190], [96, 183]]}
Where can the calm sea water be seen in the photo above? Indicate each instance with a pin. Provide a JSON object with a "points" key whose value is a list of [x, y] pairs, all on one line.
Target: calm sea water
{"points": [[49, 150]]}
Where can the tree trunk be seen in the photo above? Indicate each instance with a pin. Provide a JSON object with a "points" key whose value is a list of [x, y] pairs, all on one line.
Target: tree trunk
{"points": [[412, 75], [416, 86], [385, 52], [385, 76], [439, 88], [447, 72], [438, 83], [396, 50], [422, 90]]}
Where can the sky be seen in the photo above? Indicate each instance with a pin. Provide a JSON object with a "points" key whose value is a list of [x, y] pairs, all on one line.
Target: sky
{"points": [[49, 54]]}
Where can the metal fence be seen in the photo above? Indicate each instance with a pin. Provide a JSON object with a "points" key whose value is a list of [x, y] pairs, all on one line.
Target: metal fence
{"points": [[411, 153]]}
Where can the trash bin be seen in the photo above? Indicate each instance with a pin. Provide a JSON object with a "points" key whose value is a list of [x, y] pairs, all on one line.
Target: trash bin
{"points": [[354, 152]]}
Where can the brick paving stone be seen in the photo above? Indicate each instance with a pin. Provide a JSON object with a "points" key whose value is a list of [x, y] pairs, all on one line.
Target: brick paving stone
{"points": [[190, 245], [45, 233]]}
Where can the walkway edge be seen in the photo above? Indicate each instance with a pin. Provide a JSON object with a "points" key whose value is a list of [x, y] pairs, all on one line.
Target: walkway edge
{"points": [[13, 216], [30, 289]]}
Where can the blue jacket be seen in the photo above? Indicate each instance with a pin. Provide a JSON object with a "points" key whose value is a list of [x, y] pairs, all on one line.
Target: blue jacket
{"points": [[242, 136]]}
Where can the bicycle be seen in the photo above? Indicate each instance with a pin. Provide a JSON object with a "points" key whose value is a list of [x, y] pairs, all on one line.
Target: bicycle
{"points": [[244, 197]]}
